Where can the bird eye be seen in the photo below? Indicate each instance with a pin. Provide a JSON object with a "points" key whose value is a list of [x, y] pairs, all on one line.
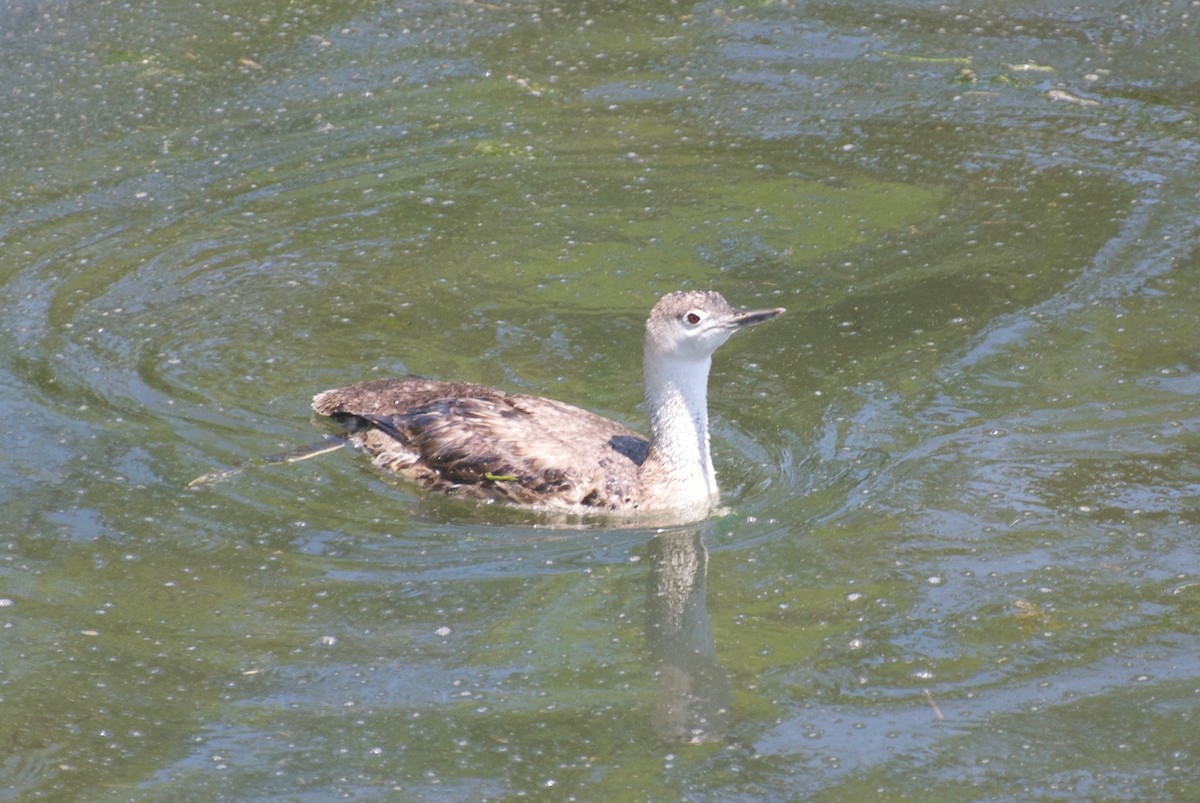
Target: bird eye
{"points": [[693, 318]]}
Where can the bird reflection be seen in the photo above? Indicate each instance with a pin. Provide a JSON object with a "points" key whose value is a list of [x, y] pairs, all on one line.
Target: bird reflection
{"points": [[695, 696]]}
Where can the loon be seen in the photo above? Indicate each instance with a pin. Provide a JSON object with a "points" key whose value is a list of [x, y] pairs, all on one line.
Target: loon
{"points": [[474, 441]]}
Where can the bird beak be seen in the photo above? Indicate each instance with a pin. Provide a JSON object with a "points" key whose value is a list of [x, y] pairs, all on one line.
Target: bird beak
{"points": [[753, 316]]}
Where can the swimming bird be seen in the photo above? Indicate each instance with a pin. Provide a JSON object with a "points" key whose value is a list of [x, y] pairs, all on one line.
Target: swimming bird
{"points": [[470, 440]]}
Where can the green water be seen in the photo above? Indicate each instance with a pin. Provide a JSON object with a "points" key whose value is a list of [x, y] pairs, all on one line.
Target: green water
{"points": [[958, 556]]}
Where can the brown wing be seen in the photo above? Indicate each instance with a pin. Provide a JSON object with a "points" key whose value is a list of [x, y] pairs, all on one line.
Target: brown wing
{"points": [[474, 440]]}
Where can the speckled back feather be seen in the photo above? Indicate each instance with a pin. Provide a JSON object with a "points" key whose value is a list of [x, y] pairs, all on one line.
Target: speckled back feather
{"points": [[475, 441]]}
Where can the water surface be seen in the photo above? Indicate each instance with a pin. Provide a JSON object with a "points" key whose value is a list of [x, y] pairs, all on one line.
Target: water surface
{"points": [[958, 556]]}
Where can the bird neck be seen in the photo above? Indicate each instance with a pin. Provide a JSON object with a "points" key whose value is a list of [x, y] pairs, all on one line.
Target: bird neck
{"points": [[677, 405]]}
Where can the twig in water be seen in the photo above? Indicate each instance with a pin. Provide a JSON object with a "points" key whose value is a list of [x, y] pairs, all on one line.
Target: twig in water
{"points": [[937, 712]]}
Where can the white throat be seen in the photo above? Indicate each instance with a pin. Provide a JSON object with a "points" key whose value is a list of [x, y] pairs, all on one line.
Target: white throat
{"points": [[677, 405]]}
